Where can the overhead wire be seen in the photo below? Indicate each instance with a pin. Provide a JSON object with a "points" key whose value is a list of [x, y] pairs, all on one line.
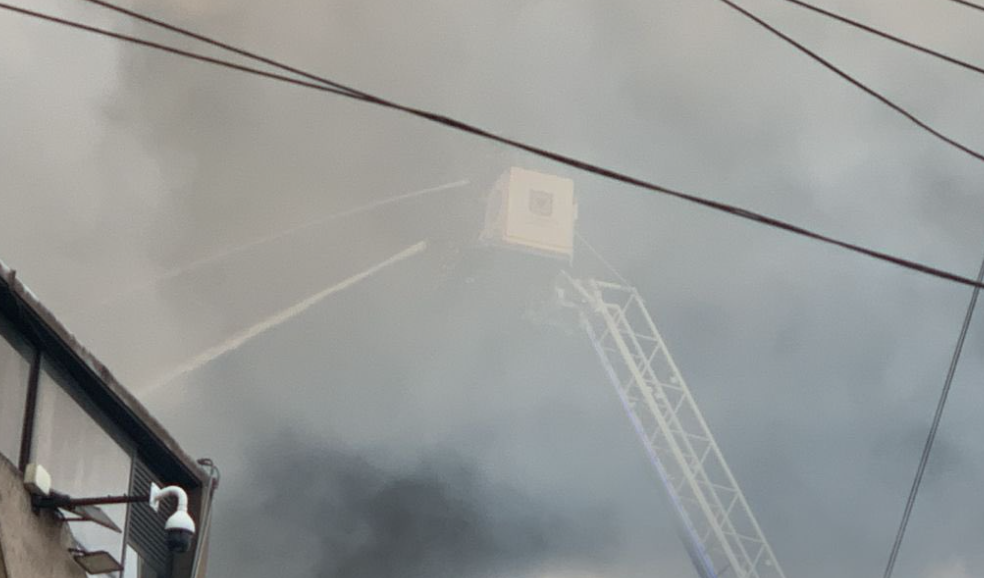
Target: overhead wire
{"points": [[948, 381], [970, 4], [364, 95], [872, 30], [226, 46], [931, 437], [173, 50], [854, 81], [342, 90]]}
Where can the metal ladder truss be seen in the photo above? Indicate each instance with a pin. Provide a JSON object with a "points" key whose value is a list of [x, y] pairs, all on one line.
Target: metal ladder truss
{"points": [[715, 522]]}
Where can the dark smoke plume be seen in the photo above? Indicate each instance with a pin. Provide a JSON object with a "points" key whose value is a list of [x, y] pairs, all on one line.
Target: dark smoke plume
{"points": [[332, 514]]}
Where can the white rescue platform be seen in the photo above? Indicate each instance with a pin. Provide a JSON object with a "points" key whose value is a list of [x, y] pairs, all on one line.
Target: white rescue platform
{"points": [[532, 211]]}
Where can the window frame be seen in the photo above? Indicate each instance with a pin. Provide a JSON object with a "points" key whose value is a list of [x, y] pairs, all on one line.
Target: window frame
{"points": [[30, 411], [60, 377], [12, 334], [82, 399], [91, 387]]}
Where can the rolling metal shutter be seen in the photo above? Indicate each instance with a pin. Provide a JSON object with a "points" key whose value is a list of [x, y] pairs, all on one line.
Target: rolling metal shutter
{"points": [[145, 526]]}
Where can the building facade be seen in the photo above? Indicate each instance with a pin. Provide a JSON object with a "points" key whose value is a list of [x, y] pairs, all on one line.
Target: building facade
{"points": [[61, 409]]}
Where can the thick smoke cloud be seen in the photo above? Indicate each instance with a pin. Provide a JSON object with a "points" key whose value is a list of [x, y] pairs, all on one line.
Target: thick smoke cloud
{"points": [[318, 512], [816, 370]]}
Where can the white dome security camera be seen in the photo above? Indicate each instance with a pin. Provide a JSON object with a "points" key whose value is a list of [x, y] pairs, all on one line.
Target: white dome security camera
{"points": [[180, 527]]}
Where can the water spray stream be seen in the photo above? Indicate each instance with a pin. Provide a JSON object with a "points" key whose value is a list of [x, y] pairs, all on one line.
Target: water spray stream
{"points": [[215, 257], [237, 340]]}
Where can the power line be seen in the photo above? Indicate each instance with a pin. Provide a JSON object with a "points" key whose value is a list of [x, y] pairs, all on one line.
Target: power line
{"points": [[865, 88], [173, 50], [226, 46], [970, 4], [933, 428], [341, 90], [883, 99], [876, 32], [344, 90]]}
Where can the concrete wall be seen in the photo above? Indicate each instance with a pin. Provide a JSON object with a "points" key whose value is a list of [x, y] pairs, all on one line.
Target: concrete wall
{"points": [[31, 545]]}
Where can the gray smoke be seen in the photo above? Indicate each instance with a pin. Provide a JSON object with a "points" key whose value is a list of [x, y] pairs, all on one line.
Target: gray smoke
{"points": [[816, 370], [329, 513]]}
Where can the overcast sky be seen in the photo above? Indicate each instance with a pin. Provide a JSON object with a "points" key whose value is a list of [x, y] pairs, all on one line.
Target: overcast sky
{"points": [[427, 422]]}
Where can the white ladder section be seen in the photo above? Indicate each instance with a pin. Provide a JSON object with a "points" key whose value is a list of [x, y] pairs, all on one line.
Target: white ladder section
{"points": [[715, 522]]}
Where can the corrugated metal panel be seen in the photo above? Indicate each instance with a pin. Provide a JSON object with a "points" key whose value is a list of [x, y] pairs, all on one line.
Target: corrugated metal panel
{"points": [[145, 526]]}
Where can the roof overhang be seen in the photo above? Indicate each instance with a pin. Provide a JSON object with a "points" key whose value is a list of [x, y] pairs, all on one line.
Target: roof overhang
{"points": [[155, 445]]}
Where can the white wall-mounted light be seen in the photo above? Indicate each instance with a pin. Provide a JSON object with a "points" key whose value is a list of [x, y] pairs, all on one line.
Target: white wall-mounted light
{"points": [[180, 527], [37, 480]]}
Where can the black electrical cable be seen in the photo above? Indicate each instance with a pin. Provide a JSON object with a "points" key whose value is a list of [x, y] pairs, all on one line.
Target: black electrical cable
{"points": [[226, 46], [342, 90], [863, 87], [970, 4], [876, 32], [345, 90], [914, 490], [883, 99], [173, 50]]}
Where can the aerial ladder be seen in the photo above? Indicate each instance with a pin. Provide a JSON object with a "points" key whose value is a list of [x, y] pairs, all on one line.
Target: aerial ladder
{"points": [[536, 212], [714, 520]]}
